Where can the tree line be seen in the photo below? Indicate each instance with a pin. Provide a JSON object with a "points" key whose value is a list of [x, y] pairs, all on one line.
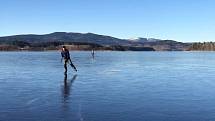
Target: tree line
{"points": [[205, 46]]}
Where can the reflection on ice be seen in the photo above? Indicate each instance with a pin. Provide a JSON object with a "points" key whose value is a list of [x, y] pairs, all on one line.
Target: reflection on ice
{"points": [[67, 86]]}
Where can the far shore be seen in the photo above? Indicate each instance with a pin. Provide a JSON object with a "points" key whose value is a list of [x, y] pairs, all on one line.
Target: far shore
{"points": [[101, 51]]}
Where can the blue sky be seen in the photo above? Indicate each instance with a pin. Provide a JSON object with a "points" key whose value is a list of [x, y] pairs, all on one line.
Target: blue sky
{"points": [[181, 20]]}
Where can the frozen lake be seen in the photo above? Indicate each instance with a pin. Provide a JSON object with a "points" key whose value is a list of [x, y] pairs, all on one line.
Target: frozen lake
{"points": [[114, 86]]}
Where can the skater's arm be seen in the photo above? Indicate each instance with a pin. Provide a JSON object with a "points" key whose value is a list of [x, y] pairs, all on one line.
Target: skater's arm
{"points": [[62, 56], [61, 60]]}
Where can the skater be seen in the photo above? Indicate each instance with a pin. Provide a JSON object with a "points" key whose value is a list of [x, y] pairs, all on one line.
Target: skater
{"points": [[93, 53], [66, 56]]}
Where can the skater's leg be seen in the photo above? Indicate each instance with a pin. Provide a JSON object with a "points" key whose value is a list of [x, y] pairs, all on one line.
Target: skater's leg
{"points": [[65, 66], [72, 65]]}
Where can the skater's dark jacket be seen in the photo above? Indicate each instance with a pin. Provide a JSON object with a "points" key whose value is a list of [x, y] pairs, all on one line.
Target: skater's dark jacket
{"points": [[65, 54]]}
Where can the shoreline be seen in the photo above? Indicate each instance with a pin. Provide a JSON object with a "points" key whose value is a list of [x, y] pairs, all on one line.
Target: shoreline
{"points": [[97, 51]]}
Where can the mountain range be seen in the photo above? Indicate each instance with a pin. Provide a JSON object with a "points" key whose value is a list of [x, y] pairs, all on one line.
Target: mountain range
{"points": [[87, 41]]}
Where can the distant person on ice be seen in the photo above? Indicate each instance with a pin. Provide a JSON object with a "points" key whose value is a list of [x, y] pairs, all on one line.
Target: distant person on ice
{"points": [[93, 53], [66, 56]]}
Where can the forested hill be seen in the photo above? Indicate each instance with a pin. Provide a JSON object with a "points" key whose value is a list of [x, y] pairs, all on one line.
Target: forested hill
{"points": [[65, 37]]}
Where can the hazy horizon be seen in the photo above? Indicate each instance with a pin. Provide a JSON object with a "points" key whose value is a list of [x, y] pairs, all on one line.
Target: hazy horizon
{"points": [[184, 21]]}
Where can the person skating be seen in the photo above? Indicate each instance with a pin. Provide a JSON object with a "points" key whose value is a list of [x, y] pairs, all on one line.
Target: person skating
{"points": [[66, 56]]}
